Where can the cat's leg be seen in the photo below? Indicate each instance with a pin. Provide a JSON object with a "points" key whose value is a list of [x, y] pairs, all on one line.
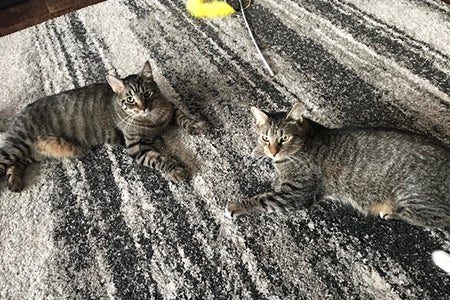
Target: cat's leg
{"points": [[15, 176], [14, 157], [4, 163], [423, 198], [143, 153], [287, 197], [264, 203], [13, 151], [415, 208], [193, 127], [423, 210], [384, 209], [172, 169], [58, 147]]}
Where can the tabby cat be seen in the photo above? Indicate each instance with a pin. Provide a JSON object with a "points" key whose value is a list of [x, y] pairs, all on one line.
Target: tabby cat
{"points": [[390, 173], [129, 111]]}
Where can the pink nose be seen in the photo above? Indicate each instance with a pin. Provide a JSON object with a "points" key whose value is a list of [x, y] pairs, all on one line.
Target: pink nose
{"points": [[140, 106], [274, 149]]}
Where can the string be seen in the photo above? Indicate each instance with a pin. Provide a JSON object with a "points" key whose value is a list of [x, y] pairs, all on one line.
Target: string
{"points": [[248, 4], [266, 64]]}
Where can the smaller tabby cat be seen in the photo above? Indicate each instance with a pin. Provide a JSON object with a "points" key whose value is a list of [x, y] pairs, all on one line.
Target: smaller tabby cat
{"points": [[130, 111], [390, 173]]}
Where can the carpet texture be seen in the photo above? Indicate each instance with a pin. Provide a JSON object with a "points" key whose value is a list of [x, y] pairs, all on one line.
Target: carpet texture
{"points": [[102, 227]]}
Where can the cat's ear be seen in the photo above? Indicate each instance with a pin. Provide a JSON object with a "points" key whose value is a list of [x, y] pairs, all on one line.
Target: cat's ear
{"points": [[146, 72], [296, 113], [116, 84], [260, 117]]}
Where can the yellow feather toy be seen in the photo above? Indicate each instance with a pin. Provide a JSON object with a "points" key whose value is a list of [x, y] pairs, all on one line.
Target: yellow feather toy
{"points": [[214, 8], [209, 9]]}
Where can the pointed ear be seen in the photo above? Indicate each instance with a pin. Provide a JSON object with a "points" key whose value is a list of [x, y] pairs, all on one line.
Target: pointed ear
{"points": [[296, 113], [146, 72], [260, 117], [116, 84]]}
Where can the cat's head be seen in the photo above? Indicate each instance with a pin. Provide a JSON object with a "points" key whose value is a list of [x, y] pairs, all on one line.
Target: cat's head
{"points": [[279, 134], [135, 93]]}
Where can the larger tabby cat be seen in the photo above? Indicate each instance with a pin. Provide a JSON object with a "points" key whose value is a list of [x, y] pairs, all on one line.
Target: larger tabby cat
{"points": [[393, 174], [130, 111]]}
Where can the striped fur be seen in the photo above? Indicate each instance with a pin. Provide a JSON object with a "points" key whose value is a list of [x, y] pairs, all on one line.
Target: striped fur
{"points": [[396, 175], [100, 227], [130, 111]]}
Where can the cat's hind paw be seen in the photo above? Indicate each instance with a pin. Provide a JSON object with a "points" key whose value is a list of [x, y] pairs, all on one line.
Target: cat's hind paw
{"points": [[198, 128], [234, 210], [178, 175], [388, 216], [385, 215]]}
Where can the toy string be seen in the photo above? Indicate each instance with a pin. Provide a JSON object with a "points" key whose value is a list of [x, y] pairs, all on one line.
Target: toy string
{"points": [[266, 64]]}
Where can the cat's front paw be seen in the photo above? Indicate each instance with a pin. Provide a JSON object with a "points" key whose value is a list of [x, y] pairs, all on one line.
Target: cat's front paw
{"points": [[178, 175], [234, 210], [14, 181], [15, 184], [198, 128]]}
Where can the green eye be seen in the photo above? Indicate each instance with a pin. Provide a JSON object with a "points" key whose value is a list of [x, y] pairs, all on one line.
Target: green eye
{"points": [[285, 138], [265, 138]]}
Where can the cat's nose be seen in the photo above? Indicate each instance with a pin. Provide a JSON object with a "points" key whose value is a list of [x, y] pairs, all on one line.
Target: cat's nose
{"points": [[140, 106], [274, 149]]}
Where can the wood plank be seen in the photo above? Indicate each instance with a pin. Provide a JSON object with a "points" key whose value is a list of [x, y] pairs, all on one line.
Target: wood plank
{"points": [[59, 7], [22, 15]]}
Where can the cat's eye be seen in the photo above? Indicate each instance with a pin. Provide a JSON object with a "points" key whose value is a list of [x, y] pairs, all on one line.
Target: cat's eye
{"points": [[148, 93], [265, 138], [129, 99], [285, 138]]}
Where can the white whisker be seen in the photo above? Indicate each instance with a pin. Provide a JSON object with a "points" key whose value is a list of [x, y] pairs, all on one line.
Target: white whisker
{"points": [[131, 122], [124, 120]]}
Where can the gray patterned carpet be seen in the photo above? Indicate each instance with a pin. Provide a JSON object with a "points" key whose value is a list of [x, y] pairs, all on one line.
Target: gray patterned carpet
{"points": [[101, 227]]}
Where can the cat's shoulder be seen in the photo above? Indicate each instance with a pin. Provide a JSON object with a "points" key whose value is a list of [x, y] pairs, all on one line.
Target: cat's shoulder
{"points": [[90, 88], [91, 91], [393, 134], [361, 130]]}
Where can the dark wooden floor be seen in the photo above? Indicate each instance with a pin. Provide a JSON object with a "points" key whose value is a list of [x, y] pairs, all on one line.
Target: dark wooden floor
{"points": [[31, 12]]}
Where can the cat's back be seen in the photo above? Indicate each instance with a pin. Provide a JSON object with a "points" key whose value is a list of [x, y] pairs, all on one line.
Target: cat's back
{"points": [[83, 114], [89, 95], [382, 144], [373, 161]]}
